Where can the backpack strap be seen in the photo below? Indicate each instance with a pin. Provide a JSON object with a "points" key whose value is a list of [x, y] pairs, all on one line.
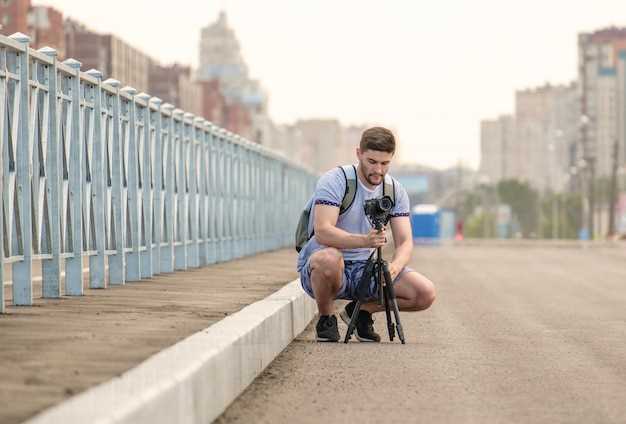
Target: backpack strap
{"points": [[389, 188], [349, 173]]}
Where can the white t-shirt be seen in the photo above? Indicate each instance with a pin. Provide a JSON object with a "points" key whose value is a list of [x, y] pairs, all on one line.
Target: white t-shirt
{"points": [[329, 191]]}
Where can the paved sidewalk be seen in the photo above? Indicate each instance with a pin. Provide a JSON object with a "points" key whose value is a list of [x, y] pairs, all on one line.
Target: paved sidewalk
{"points": [[60, 347]]}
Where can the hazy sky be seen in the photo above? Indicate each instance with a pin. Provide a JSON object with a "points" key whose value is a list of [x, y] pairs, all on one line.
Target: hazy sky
{"points": [[431, 70]]}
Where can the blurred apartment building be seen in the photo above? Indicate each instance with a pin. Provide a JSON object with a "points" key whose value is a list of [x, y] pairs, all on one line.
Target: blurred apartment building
{"points": [[220, 90], [234, 100], [546, 129], [566, 129], [601, 74], [174, 84], [535, 144], [497, 142], [320, 144], [43, 24], [107, 53]]}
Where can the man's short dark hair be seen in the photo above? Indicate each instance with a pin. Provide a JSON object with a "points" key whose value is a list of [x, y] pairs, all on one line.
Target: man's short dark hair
{"points": [[378, 138]]}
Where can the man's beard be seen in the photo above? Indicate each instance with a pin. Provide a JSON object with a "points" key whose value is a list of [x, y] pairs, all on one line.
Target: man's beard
{"points": [[368, 177]]}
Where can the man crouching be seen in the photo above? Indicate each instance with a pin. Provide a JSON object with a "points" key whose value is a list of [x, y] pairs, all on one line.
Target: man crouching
{"points": [[342, 238]]}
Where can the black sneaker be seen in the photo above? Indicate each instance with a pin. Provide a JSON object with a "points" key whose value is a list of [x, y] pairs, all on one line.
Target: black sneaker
{"points": [[327, 330], [364, 323]]}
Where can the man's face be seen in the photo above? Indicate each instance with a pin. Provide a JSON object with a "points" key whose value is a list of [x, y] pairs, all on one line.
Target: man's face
{"points": [[374, 165]]}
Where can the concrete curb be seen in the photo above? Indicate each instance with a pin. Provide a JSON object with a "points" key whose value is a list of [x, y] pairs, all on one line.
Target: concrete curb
{"points": [[196, 379]]}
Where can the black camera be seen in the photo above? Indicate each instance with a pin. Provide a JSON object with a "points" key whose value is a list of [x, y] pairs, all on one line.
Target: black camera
{"points": [[378, 210]]}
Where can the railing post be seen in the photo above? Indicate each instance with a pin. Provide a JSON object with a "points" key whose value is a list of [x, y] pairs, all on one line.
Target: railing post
{"points": [[97, 262], [144, 152], [256, 176], [228, 195], [180, 257], [203, 233], [51, 268], [74, 263], [3, 99], [220, 191], [239, 199], [156, 211], [117, 261], [212, 192], [133, 260], [245, 213], [191, 158], [22, 270], [169, 224]]}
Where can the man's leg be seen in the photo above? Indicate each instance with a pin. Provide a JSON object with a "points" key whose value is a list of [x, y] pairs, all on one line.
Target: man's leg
{"points": [[414, 292], [326, 277]]}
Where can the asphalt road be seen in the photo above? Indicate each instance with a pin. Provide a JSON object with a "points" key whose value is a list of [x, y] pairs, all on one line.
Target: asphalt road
{"points": [[517, 334]]}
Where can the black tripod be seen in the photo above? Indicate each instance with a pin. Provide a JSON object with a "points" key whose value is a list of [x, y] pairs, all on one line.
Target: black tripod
{"points": [[386, 297]]}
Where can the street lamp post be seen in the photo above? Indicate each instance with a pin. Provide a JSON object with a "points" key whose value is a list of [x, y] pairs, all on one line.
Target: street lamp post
{"points": [[589, 165], [613, 194]]}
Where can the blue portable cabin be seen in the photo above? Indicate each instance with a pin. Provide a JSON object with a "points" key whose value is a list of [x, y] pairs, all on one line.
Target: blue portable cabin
{"points": [[431, 224]]}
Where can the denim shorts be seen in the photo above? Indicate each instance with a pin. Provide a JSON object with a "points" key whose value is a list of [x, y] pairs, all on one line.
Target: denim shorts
{"points": [[352, 272]]}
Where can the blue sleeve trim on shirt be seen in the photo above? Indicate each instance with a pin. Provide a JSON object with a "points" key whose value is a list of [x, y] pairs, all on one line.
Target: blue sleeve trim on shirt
{"points": [[327, 202], [395, 215]]}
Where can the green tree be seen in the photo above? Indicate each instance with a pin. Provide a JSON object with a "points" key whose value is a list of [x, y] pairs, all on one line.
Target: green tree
{"points": [[524, 202]]}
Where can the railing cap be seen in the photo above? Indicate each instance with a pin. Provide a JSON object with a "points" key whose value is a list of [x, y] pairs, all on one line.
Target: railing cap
{"points": [[131, 91], [144, 96], [48, 51], [112, 82], [178, 112], [168, 107], [156, 101], [72, 63], [20, 38], [94, 73], [189, 115]]}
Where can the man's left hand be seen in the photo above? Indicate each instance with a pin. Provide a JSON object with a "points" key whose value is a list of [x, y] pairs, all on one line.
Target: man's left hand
{"points": [[394, 270]]}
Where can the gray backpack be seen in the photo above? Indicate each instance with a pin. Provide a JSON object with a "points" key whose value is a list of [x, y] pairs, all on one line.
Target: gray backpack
{"points": [[349, 173]]}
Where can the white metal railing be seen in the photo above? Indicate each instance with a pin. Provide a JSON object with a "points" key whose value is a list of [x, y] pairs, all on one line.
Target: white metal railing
{"points": [[90, 169]]}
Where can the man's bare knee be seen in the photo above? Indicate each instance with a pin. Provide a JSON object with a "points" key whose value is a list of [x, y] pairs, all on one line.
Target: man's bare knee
{"points": [[328, 262], [425, 299]]}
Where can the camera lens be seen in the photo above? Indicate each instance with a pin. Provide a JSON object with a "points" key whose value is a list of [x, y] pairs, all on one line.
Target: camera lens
{"points": [[385, 203]]}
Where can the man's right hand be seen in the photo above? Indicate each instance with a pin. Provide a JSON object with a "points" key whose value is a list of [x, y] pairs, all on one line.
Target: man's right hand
{"points": [[376, 238]]}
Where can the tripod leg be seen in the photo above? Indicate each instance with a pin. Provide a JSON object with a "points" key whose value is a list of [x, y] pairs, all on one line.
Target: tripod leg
{"points": [[353, 319], [394, 303], [390, 326], [384, 299]]}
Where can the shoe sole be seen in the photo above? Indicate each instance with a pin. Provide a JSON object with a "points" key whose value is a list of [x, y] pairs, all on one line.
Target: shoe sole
{"points": [[325, 340], [346, 319]]}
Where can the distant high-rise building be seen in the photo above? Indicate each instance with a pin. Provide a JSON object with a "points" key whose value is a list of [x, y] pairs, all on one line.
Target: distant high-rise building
{"points": [[221, 60], [496, 147], [45, 27], [602, 110], [43, 24], [322, 143], [350, 141], [173, 84], [546, 125], [14, 16], [108, 54]]}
